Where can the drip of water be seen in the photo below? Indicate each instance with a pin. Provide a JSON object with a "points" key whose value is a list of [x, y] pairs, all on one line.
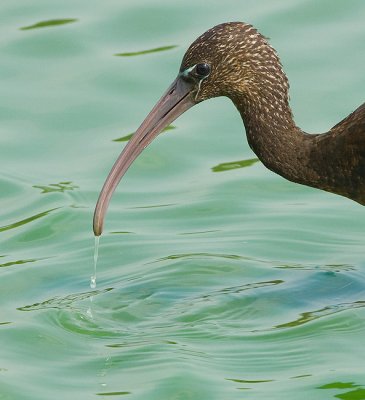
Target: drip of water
{"points": [[96, 253], [93, 281]]}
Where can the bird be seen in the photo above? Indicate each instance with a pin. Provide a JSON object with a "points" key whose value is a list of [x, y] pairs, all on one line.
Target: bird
{"points": [[235, 60]]}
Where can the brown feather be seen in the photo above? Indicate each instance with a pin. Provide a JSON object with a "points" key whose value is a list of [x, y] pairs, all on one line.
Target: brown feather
{"points": [[246, 69]]}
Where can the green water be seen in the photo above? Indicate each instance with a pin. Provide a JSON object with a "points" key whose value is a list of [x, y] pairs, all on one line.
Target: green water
{"points": [[216, 278]]}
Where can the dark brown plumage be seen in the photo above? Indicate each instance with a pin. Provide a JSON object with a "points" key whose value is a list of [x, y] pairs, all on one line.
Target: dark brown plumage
{"points": [[235, 60]]}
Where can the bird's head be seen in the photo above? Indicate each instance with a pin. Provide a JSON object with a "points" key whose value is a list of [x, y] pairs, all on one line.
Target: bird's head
{"points": [[230, 59], [234, 60], [212, 64]]}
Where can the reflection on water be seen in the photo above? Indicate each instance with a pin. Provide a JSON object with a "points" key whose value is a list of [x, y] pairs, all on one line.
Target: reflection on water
{"points": [[122, 233], [19, 262], [49, 23], [56, 187], [242, 288], [227, 166], [139, 53], [313, 315], [249, 381], [200, 255], [27, 220], [152, 206], [357, 394], [127, 137], [327, 267], [63, 302], [199, 232]]}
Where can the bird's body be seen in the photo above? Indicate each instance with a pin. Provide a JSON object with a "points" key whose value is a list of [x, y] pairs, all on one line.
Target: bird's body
{"points": [[235, 60]]}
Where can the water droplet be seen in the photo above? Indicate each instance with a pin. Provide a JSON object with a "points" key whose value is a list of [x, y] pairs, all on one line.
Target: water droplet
{"points": [[93, 282], [96, 254]]}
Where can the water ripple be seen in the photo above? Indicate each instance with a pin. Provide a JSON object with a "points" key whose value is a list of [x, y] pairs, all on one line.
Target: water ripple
{"points": [[316, 267], [249, 286], [323, 312], [199, 255], [62, 302]]}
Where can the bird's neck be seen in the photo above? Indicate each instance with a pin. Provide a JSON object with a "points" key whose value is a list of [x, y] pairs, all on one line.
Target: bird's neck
{"points": [[273, 135]]}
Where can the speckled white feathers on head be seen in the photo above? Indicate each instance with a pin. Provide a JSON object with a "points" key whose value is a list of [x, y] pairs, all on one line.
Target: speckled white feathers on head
{"points": [[242, 62]]}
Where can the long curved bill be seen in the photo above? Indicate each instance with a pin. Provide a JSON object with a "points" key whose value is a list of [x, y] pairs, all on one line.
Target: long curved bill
{"points": [[177, 99]]}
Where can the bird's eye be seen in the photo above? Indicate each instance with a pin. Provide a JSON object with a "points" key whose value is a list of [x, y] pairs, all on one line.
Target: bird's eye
{"points": [[202, 70]]}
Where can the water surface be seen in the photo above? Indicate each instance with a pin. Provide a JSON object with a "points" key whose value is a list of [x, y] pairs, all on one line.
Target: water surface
{"points": [[216, 279]]}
